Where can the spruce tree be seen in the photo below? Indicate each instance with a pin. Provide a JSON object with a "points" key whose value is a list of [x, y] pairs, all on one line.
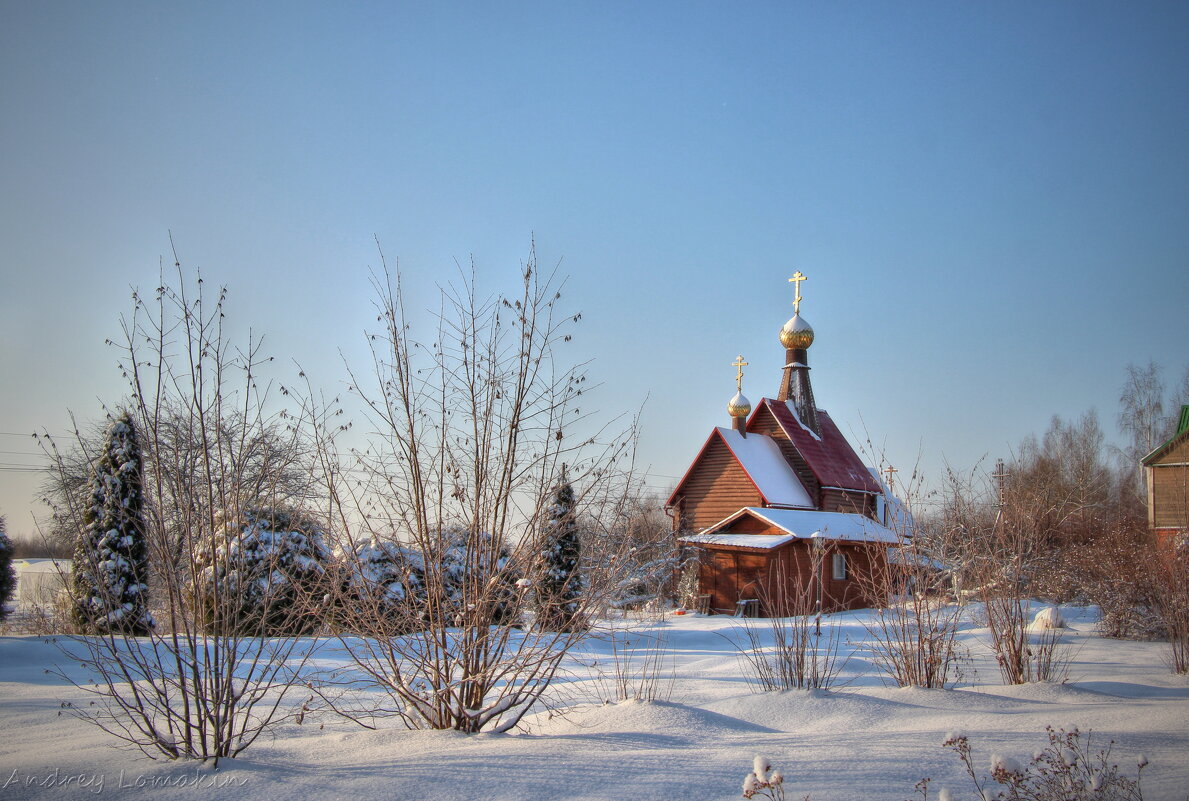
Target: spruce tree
{"points": [[110, 558], [8, 578], [560, 585]]}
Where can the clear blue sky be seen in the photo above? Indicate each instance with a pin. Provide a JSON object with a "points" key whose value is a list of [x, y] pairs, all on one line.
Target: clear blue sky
{"points": [[991, 200]]}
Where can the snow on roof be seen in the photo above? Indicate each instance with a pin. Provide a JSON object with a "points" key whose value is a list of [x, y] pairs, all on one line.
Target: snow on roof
{"points": [[841, 526], [804, 523], [765, 541], [792, 408], [760, 456]]}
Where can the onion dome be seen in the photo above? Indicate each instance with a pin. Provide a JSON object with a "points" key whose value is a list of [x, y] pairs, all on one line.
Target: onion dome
{"points": [[738, 406], [796, 334]]}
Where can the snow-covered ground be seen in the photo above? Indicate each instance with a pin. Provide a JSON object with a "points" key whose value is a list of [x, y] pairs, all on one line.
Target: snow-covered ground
{"points": [[861, 741]]}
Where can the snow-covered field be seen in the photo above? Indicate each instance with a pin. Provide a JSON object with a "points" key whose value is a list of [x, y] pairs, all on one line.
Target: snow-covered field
{"points": [[861, 741]]}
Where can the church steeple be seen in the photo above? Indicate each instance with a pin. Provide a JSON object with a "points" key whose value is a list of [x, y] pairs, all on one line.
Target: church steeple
{"points": [[797, 336]]}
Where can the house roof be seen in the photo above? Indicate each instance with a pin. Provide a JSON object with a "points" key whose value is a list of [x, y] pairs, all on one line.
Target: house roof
{"points": [[765, 465], [831, 458], [1181, 435], [801, 524]]}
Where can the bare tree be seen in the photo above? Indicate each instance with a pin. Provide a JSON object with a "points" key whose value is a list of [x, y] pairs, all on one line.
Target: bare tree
{"points": [[469, 428], [1141, 409], [192, 687]]}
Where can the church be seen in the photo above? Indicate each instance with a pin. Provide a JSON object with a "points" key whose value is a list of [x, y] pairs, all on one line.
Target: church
{"points": [[779, 506]]}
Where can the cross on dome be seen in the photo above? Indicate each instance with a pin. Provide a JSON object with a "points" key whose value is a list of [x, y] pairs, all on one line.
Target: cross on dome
{"points": [[796, 280], [739, 363], [739, 407]]}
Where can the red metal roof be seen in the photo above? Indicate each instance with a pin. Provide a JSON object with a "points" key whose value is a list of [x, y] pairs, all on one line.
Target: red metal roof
{"points": [[833, 461]]}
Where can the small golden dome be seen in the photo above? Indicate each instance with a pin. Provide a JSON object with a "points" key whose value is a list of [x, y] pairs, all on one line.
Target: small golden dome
{"points": [[796, 333], [738, 406]]}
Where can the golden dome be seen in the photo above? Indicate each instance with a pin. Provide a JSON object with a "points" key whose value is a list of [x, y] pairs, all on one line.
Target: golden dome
{"points": [[796, 333], [738, 406]]}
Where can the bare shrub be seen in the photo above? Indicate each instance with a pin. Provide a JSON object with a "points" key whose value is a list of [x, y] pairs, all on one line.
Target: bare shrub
{"points": [[1171, 590], [1067, 769], [803, 653], [638, 668], [471, 425], [914, 639], [1023, 656], [914, 632], [1010, 533], [1116, 571], [189, 688]]}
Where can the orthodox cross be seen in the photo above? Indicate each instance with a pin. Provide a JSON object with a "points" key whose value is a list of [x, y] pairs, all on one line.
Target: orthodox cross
{"points": [[1000, 475], [891, 471], [740, 364], [796, 280]]}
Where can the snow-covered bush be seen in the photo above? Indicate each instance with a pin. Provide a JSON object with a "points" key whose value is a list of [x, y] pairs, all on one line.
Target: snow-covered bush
{"points": [[109, 586], [8, 576], [1067, 769], [764, 781], [266, 575], [559, 582], [1048, 618], [478, 580], [381, 581]]}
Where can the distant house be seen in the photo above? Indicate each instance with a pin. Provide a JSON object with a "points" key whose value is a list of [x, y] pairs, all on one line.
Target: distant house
{"points": [[779, 504], [1167, 472]]}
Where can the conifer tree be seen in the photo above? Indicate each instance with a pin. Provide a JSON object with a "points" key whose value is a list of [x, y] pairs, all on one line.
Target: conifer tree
{"points": [[560, 586], [110, 558], [265, 575], [8, 578]]}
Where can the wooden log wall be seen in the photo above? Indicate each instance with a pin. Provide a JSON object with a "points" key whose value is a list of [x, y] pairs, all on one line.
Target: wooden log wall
{"points": [[716, 488]]}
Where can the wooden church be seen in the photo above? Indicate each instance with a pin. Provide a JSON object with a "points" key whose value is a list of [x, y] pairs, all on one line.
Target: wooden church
{"points": [[779, 506]]}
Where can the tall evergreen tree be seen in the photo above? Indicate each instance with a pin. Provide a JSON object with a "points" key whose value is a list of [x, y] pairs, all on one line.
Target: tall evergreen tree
{"points": [[560, 586], [8, 578], [110, 557]]}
